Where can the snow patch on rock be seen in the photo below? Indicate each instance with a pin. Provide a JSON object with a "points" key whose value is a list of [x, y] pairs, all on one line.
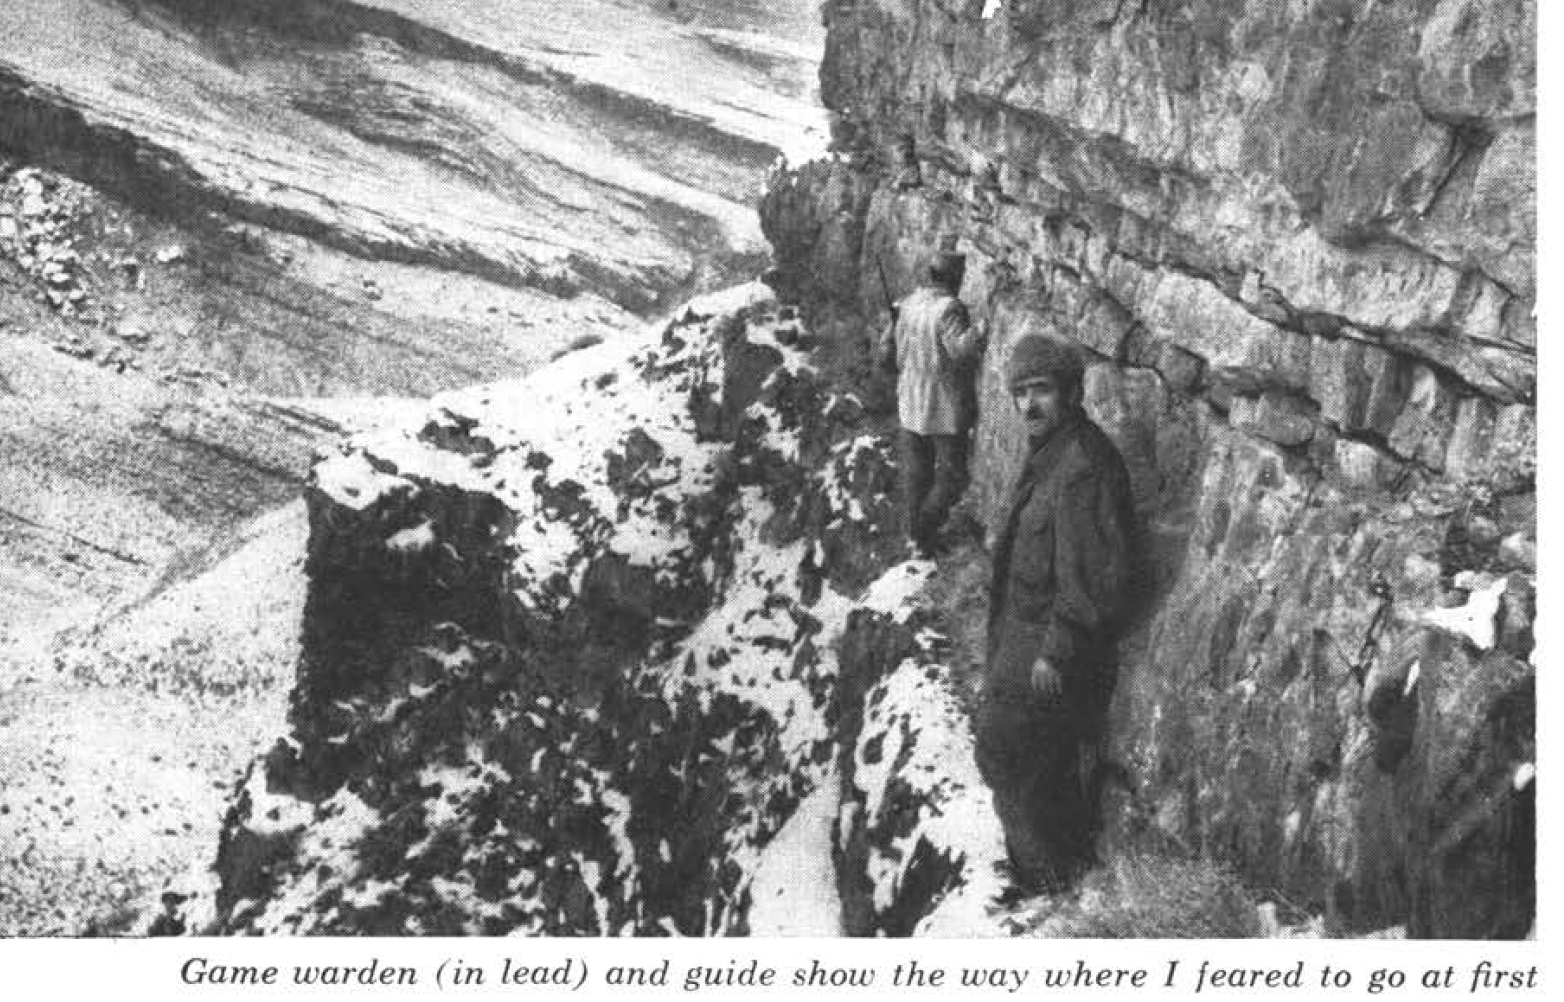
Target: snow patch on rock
{"points": [[794, 891], [526, 806], [916, 758], [895, 592], [1477, 619]]}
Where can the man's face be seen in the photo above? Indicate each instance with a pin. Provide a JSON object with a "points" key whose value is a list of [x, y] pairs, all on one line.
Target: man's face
{"points": [[1041, 403]]}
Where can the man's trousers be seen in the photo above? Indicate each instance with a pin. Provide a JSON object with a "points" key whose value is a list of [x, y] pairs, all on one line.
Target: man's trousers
{"points": [[934, 474], [1039, 757]]}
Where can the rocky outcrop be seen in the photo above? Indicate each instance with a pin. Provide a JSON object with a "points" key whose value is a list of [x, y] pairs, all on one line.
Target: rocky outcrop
{"points": [[1300, 240], [579, 649]]}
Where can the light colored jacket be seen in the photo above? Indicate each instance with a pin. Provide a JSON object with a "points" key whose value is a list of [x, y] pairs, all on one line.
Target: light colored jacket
{"points": [[933, 345]]}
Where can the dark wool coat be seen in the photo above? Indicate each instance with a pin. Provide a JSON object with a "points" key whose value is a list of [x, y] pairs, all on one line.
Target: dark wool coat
{"points": [[1063, 567]]}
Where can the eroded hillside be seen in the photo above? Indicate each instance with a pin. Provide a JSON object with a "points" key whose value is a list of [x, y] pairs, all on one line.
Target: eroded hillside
{"points": [[231, 232]]}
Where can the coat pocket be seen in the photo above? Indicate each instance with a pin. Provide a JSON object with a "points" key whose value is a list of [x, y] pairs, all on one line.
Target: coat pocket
{"points": [[1032, 553], [1018, 643]]}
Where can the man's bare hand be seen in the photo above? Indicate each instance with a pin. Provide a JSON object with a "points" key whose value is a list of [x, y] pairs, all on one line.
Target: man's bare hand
{"points": [[1046, 680]]}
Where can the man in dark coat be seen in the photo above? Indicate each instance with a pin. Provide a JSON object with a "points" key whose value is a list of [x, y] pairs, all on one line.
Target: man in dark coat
{"points": [[1063, 564]]}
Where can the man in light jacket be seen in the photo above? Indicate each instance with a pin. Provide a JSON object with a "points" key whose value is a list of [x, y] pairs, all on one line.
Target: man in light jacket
{"points": [[932, 345]]}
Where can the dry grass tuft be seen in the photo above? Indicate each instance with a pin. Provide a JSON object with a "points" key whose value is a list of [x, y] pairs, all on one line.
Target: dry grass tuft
{"points": [[1146, 896]]}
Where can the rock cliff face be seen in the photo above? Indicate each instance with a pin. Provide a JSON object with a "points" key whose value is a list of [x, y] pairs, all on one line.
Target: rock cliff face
{"points": [[608, 649], [1299, 238]]}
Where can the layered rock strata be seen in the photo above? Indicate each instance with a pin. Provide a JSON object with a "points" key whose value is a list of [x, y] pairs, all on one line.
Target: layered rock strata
{"points": [[1300, 241]]}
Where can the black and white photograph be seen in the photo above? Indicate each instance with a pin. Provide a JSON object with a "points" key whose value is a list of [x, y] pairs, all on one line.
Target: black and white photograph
{"points": [[949, 469]]}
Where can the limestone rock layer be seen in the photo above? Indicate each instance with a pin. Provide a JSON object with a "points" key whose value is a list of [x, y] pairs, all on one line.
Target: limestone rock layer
{"points": [[1299, 241]]}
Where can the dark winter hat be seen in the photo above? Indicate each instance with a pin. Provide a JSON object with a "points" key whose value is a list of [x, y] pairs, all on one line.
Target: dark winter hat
{"points": [[947, 262], [1035, 356]]}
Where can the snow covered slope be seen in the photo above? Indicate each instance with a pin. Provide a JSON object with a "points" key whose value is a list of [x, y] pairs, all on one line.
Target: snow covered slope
{"points": [[230, 229], [599, 651]]}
